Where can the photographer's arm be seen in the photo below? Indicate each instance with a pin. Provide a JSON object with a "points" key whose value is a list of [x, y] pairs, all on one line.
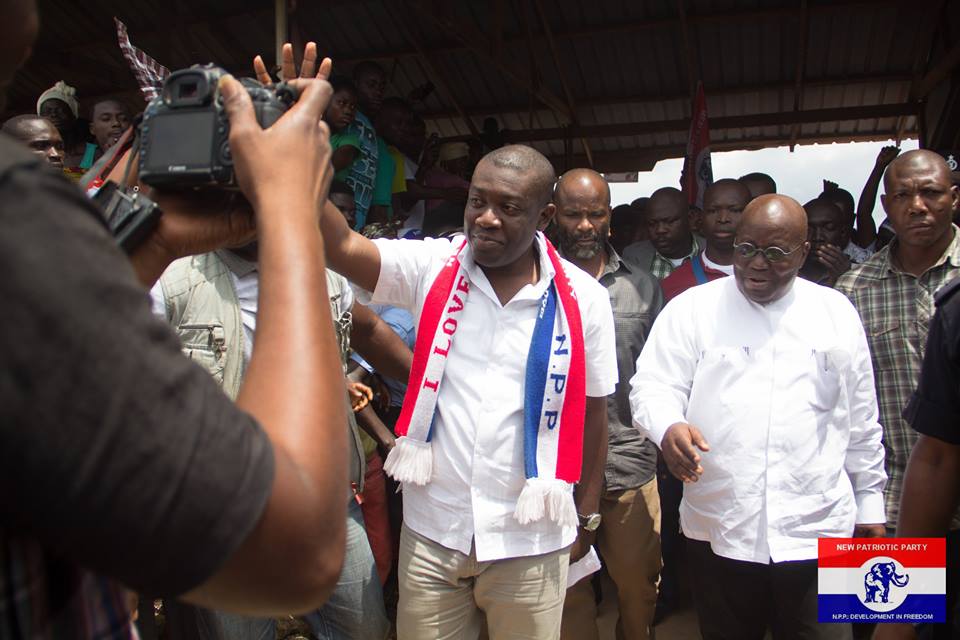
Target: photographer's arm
{"points": [[292, 559]]}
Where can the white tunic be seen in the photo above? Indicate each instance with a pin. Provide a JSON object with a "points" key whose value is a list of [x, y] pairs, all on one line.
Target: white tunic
{"points": [[784, 395]]}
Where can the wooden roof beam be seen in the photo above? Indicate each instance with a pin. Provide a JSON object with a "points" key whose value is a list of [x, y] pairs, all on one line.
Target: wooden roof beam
{"points": [[545, 25], [689, 53], [627, 26], [436, 12], [804, 35], [600, 101], [644, 159], [938, 74], [716, 124]]}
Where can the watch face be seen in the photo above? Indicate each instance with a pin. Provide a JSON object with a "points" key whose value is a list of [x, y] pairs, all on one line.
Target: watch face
{"points": [[592, 522]]}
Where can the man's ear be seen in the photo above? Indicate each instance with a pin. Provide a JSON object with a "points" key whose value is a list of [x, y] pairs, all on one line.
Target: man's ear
{"points": [[546, 215], [806, 251]]}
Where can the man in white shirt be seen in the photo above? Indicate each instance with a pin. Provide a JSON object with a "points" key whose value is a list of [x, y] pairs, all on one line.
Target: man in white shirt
{"points": [[465, 550], [759, 391]]}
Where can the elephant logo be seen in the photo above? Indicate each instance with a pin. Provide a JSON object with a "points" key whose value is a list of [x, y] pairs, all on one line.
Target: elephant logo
{"points": [[878, 580]]}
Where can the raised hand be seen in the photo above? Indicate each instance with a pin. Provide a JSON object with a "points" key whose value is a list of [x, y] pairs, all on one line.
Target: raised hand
{"points": [[291, 159], [835, 260], [679, 448], [887, 155], [288, 67]]}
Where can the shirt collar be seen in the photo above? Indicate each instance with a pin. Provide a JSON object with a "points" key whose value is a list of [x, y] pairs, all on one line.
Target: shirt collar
{"points": [[236, 264], [535, 291], [614, 262], [951, 254], [694, 250], [776, 307]]}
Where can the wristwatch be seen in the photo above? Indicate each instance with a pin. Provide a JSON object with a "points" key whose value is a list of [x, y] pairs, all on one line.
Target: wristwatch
{"points": [[589, 522]]}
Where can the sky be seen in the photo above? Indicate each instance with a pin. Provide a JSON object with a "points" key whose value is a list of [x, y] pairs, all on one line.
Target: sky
{"points": [[799, 174]]}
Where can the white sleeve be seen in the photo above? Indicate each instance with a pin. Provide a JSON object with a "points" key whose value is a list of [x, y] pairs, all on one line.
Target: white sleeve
{"points": [[864, 459], [660, 389], [158, 303], [600, 346], [405, 266]]}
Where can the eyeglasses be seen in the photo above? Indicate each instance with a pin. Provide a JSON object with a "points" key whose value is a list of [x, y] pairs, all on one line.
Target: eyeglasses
{"points": [[747, 250]]}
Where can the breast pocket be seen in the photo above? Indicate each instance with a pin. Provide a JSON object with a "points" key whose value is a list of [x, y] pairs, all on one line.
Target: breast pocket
{"points": [[205, 344], [721, 375], [831, 366], [888, 341]]}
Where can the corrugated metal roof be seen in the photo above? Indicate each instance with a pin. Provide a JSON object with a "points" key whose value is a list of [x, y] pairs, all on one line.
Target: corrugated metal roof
{"points": [[627, 65]]}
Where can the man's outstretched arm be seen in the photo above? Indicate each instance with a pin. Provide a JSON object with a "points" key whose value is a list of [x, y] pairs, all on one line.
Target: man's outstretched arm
{"points": [[349, 253]]}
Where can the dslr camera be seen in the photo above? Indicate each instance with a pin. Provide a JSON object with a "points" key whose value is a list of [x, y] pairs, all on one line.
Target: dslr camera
{"points": [[185, 131]]}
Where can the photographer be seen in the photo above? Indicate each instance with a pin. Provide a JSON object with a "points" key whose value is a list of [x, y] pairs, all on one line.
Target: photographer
{"points": [[124, 463]]}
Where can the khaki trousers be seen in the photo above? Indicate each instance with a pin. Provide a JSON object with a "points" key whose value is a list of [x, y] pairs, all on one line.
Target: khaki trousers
{"points": [[444, 593], [629, 541]]}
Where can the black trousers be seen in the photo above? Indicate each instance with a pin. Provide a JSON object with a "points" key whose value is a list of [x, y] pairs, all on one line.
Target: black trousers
{"points": [[738, 600]]}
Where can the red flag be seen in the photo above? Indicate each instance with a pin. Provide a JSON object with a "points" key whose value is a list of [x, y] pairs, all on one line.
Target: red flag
{"points": [[697, 171]]}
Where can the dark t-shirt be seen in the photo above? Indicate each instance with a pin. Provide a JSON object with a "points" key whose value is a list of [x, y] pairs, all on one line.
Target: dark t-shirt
{"points": [[116, 452], [934, 409]]}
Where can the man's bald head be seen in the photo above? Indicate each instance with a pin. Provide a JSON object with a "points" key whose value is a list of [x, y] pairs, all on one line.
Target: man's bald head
{"points": [[16, 125], [668, 196], [768, 222], [727, 188], [776, 211], [759, 184], [581, 183], [529, 162], [918, 160]]}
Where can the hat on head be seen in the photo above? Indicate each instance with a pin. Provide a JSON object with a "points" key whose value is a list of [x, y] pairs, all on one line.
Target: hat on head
{"points": [[453, 151], [61, 91]]}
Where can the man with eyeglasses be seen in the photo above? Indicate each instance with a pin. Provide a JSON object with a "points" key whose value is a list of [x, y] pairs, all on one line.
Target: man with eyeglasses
{"points": [[759, 391]]}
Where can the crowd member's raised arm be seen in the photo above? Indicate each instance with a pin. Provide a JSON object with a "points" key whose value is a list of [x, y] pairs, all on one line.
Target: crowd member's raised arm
{"points": [[866, 231]]}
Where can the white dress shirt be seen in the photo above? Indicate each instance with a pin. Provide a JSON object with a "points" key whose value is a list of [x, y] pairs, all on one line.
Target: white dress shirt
{"points": [[478, 430], [784, 395]]}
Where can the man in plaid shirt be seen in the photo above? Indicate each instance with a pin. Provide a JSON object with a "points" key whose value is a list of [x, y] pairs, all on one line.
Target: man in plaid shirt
{"points": [[671, 239], [894, 290]]}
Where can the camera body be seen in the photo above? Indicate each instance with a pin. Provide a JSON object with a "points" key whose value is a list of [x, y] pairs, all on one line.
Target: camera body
{"points": [[185, 131]]}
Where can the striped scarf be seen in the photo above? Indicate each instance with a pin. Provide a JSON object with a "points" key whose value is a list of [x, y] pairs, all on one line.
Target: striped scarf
{"points": [[554, 392]]}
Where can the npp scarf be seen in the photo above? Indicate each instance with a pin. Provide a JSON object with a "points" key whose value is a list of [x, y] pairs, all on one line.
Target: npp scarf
{"points": [[554, 392]]}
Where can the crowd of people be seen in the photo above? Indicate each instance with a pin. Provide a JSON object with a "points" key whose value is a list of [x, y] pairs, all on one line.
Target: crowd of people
{"points": [[439, 384]]}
